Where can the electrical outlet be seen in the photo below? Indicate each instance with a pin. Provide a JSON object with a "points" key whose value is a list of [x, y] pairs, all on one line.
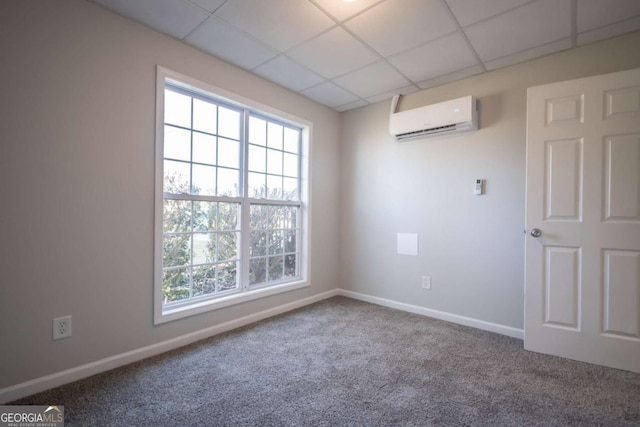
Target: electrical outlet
{"points": [[426, 282], [61, 327]]}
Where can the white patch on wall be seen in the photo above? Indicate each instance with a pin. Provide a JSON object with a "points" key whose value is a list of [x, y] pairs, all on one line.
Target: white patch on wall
{"points": [[407, 244]]}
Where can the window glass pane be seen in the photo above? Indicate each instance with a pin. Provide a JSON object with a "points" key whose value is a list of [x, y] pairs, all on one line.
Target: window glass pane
{"points": [[291, 140], [276, 265], [204, 280], [289, 241], [258, 243], [227, 276], [290, 217], [257, 185], [228, 153], [227, 246], [204, 148], [275, 242], [290, 189], [176, 216], [276, 217], [290, 266], [177, 109], [204, 116], [176, 250], [274, 162], [204, 180], [228, 182], [204, 216], [177, 143], [274, 136], [290, 165], [227, 216], [228, 123], [274, 187], [204, 248], [257, 271], [176, 177], [175, 285], [258, 215], [257, 159], [257, 131]]}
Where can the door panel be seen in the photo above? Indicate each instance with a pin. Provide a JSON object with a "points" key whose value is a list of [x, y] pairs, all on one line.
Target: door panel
{"points": [[622, 177], [562, 287], [563, 180], [622, 101], [582, 278], [562, 111], [621, 293]]}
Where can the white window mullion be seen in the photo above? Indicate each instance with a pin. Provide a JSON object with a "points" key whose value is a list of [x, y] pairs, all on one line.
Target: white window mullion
{"points": [[191, 205], [245, 236], [274, 202], [217, 157], [244, 154], [245, 223], [299, 214]]}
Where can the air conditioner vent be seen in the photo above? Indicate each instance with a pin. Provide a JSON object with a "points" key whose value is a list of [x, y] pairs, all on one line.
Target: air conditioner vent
{"points": [[438, 129]]}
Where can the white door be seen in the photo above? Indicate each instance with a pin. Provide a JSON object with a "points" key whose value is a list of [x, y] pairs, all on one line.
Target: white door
{"points": [[582, 279]]}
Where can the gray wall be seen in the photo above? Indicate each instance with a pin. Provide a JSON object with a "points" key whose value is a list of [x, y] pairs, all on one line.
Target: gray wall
{"points": [[76, 183], [471, 246]]}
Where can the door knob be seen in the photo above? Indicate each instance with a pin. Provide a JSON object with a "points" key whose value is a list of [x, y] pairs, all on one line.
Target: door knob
{"points": [[536, 232]]}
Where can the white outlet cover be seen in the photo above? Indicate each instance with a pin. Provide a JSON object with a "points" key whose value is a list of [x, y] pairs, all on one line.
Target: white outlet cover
{"points": [[59, 331], [408, 244]]}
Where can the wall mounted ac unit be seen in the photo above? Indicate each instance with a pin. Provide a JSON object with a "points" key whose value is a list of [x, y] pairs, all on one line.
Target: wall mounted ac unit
{"points": [[449, 117]]}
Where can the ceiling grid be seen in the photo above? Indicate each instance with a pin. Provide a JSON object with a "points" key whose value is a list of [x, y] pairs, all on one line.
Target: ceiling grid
{"points": [[349, 54]]}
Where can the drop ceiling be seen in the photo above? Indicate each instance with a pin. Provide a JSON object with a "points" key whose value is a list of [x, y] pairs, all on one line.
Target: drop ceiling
{"points": [[349, 54]]}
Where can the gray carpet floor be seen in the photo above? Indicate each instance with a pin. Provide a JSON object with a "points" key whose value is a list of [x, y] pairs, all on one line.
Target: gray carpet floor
{"points": [[346, 362]]}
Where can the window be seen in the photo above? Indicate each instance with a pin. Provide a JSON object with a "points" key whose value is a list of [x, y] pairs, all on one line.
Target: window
{"points": [[230, 200]]}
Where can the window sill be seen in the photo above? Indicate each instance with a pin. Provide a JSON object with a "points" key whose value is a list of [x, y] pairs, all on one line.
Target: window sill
{"points": [[170, 314]]}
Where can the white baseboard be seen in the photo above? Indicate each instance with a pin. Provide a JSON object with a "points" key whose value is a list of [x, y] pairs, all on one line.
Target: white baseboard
{"points": [[37, 385], [454, 318]]}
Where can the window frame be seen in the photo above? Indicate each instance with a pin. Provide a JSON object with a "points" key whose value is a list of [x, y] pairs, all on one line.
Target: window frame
{"points": [[245, 292]]}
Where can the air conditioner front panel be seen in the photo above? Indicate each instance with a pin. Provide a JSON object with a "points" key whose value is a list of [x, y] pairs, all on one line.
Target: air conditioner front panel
{"points": [[456, 115]]}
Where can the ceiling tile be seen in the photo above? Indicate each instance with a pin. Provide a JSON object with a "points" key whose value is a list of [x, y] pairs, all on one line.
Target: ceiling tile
{"points": [[468, 12], [288, 73], [395, 26], [229, 43], [445, 55], [388, 95], [329, 94], [342, 10], [210, 5], [612, 30], [333, 53], [372, 80], [529, 54], [526, 27], [176, 18], [451, 77], [350, 106], [597, 13], [280, 24]]}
